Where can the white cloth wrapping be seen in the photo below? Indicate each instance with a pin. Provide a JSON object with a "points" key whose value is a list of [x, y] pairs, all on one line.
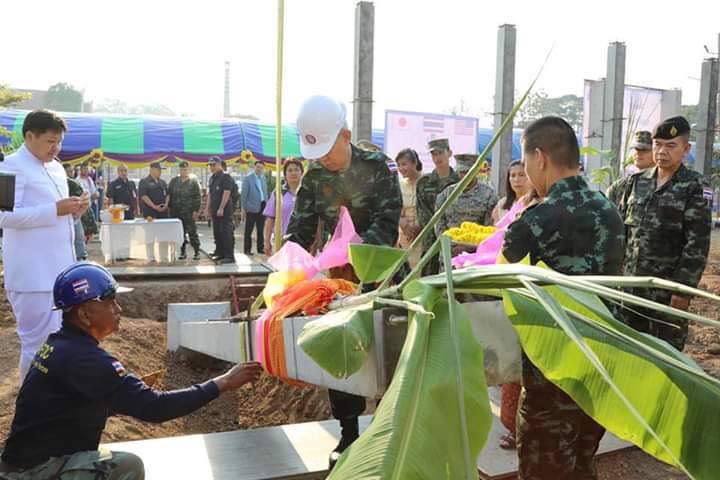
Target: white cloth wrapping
{"points": [[157, 240], [35, 321]]}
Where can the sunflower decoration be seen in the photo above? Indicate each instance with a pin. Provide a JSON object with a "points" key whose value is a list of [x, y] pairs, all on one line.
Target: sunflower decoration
{"points": [[484, 169], [247, 156], [96, 155]]}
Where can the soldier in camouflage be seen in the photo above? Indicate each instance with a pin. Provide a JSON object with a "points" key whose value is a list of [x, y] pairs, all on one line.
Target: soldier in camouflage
{"points": [[184, 202], [643, 159], [475, 204], [429, 187], [342, 175], [668, 225], [575, 231]]}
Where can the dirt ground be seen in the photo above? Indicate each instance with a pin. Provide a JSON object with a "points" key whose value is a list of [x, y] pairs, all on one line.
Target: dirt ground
{"points": [[141, 346]]}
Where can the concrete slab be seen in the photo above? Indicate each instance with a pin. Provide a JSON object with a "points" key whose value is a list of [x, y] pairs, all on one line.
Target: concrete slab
{"points": [[287, 452], [297, 451], [245, 266], [179, 313], [224, 340]]}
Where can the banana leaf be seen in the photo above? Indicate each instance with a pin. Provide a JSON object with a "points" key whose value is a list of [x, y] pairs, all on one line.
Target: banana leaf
{"points": [[655, 397], [339, 342], [414, 434], [373, 263]]}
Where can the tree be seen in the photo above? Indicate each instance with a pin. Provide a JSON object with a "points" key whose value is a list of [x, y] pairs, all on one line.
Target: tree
{"points": [[64, 98], [119, 107], [10, 98], [539, 104]]}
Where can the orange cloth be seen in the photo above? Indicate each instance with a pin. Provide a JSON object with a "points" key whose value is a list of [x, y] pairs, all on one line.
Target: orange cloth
{"points": [[309, 296]]}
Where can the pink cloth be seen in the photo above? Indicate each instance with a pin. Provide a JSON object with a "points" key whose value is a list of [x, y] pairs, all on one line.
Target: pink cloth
{"points": [[488, 251]]}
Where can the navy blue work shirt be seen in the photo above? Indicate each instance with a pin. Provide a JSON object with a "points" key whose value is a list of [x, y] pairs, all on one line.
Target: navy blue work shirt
{"points": [[72, 387]]}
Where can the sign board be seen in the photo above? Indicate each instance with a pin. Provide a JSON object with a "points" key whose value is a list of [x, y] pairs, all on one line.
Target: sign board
{"points": [[415, 129]]}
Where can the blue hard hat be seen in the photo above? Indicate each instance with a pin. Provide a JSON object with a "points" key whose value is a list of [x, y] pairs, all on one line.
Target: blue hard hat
{"points": [[82, 282]]}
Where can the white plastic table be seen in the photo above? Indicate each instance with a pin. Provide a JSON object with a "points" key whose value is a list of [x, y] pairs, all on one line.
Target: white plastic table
{"points": [[157, 240]]}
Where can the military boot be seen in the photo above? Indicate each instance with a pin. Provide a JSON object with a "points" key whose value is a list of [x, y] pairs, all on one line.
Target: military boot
{"points": [[183, 255], [197, 253], [348, 434]]}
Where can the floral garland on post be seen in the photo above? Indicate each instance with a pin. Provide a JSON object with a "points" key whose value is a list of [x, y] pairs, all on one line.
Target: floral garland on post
{"points": [[247, 156]]}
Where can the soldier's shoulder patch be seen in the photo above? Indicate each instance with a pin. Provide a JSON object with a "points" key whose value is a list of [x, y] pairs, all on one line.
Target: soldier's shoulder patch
{"points": [[119, 368]]}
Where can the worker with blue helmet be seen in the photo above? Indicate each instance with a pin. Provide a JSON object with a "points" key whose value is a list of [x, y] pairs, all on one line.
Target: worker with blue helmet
{"points": [[74, 385]]}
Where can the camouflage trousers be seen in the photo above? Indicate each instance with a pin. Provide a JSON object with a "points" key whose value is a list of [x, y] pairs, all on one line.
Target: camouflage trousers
{"points": [[190, 229], [672, 329], [556, 440], [100, 464]]}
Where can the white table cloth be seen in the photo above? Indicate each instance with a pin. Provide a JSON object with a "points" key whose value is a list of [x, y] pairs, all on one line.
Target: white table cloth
{"points": [[157, 240]]}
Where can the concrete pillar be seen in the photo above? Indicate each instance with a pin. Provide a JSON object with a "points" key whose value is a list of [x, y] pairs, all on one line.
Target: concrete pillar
{"points": [[614, 103], [226, 96], [671, 103], [504, 101], [363, 75], [706, 122], [595, 93]]}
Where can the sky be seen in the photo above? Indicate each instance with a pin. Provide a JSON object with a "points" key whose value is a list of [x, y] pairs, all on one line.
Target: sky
{"points": [[430, 56]]}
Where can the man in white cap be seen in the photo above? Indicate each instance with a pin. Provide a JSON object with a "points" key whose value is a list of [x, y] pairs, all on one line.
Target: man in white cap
{"points": [[342, 175]]}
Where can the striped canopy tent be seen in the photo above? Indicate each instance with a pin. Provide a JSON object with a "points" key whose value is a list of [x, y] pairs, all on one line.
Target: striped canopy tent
{"points": [[140, 140]]}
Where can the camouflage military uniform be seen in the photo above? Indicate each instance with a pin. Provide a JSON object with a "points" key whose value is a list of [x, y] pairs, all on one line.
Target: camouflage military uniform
{"points": [[668, 233], [615, 192], [473, 205], [371, 193], [184, 201], [428, 188], [97, 465], [367, 188], [575, 231]]}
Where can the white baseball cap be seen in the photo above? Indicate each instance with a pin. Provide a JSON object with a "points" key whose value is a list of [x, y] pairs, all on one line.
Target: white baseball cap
{"points": [[319, 122]]}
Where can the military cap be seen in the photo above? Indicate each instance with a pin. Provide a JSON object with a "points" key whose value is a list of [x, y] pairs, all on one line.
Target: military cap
{"points": [[671, 128], [213, 160], [464, 161], [642, 140], [438, 144], [157, 165], [183, 164]]}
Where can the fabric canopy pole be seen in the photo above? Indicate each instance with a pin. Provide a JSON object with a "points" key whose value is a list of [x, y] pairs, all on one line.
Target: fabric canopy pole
{"points": [[278, 125]]}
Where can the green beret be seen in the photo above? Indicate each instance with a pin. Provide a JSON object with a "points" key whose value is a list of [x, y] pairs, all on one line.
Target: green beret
{"points": [[671, 128], [183, 164]]}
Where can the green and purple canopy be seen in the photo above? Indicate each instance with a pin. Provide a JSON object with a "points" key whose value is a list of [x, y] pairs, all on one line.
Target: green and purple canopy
{"points": [[140, 140]]}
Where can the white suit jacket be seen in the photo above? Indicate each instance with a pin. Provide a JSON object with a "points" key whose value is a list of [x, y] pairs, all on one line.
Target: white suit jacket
{"points": [[37, 244]]}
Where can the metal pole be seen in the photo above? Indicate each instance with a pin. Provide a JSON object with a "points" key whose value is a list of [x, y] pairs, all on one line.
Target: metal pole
{"points": [[504, 100], [363, 71], [278, 125]]}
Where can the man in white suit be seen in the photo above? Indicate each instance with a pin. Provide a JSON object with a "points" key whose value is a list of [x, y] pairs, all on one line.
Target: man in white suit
{"points": [[38, 234]]}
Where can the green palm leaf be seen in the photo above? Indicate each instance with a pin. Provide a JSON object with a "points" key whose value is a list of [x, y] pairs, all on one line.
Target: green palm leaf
{"points": [[340, 341], [415, 432], [372, 263], [638, 387]]}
